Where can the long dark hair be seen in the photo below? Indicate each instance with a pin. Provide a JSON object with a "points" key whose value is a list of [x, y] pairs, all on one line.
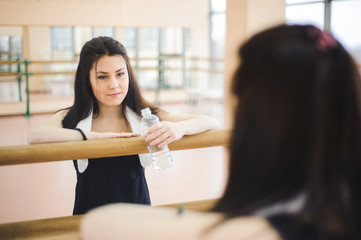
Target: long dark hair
{"points": [[84, 99], [296, 129]]}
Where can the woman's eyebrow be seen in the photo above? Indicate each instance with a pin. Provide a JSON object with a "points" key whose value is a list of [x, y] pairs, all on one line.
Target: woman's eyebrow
{"points": [[119, 70], [102, 72]]}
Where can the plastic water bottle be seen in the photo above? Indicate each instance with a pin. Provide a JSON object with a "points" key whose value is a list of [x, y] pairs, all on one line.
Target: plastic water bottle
{"points": [[161, 158]]}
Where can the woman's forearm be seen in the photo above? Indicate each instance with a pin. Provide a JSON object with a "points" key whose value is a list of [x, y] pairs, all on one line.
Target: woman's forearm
{"points": [[199, 124], [166, 132], [42, 134]]}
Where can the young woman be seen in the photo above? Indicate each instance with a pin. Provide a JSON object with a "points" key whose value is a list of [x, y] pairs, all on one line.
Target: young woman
{"points": [[295, 157], [108, 104]]}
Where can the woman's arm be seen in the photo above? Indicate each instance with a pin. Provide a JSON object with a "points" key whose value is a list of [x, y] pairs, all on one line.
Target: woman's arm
{"points": [[174, 126], [130, 221], [53, 131]]}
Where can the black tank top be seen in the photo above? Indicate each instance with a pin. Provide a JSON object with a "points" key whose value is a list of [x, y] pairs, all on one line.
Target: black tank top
{"points": [[110, 180], [291, 227]]}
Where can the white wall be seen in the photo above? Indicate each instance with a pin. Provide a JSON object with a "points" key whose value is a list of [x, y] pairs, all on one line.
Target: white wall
{"points": [[117, 13], [263, 14], [10, 31], [244, 18], [33, 18]]}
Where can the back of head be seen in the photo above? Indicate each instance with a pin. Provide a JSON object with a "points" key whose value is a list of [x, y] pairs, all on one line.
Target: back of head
{"points": [[296, 127]]}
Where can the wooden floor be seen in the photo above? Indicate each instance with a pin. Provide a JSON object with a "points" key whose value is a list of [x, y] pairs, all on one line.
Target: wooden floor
{"points": [[46, 190]]}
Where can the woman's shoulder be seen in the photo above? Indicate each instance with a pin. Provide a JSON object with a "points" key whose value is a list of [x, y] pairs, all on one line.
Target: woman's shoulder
{"points": [[59, 115], [62, 112], [131, 221], [56, 119], [244, 228]]}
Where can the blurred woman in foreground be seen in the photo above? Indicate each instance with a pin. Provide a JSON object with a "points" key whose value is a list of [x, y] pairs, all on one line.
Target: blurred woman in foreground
{"points": [[295, 163]]}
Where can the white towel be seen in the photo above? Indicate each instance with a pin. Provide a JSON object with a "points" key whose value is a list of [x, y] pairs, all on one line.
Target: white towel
{"points": [[134, 121]]}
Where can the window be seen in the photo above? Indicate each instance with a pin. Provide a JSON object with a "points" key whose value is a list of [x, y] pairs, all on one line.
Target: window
{"points": [[171, 41], [312, 13], [62, 42], [103, 31], [84, 34], [146, 45], [130, 39], [340, 17], [10, 49], [217, 45], [16, 47], [81, 36], [4, 52], [301, 1], [345, 25], [217, 28]]}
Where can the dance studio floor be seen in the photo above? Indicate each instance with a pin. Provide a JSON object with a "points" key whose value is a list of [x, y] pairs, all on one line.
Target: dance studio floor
{"points": [[46, 190]]}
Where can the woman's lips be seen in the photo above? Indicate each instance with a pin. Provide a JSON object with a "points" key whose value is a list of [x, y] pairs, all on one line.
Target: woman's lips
{"points": [[114, 94]]}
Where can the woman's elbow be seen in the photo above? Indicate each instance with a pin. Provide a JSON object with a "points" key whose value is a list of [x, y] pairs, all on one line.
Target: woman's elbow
{"points": [[31, 139], [34, 137], [217, 125], [213, 123]]}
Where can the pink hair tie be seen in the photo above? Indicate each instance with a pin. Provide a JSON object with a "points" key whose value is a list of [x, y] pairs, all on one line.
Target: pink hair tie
{"points": [[324, 40]]}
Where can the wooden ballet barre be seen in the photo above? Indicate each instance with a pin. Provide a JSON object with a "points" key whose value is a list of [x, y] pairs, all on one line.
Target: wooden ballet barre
{"points": [[10, 62], [53, 61], [52, 228], [35, 73], [200, 206], [67, 228], [53, 73], [207, 59], [11, 74], [48, 152]]}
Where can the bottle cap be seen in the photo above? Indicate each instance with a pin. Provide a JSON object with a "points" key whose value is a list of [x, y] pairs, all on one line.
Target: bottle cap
{"points": [[146, 111]]}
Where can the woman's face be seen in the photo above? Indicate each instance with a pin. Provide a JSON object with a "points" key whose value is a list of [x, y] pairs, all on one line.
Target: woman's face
{"points": [[109, 80]]}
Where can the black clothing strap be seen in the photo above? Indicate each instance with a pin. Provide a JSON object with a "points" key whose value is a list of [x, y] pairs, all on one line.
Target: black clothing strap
{"points": [[82, 133], [293, 228]]}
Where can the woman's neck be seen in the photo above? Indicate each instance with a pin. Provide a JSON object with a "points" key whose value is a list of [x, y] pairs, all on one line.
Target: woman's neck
{"points": [[110, 119], [110, 112]]}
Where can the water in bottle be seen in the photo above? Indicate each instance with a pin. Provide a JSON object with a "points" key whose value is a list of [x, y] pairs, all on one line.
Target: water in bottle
{"points": [[161, 158]]}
